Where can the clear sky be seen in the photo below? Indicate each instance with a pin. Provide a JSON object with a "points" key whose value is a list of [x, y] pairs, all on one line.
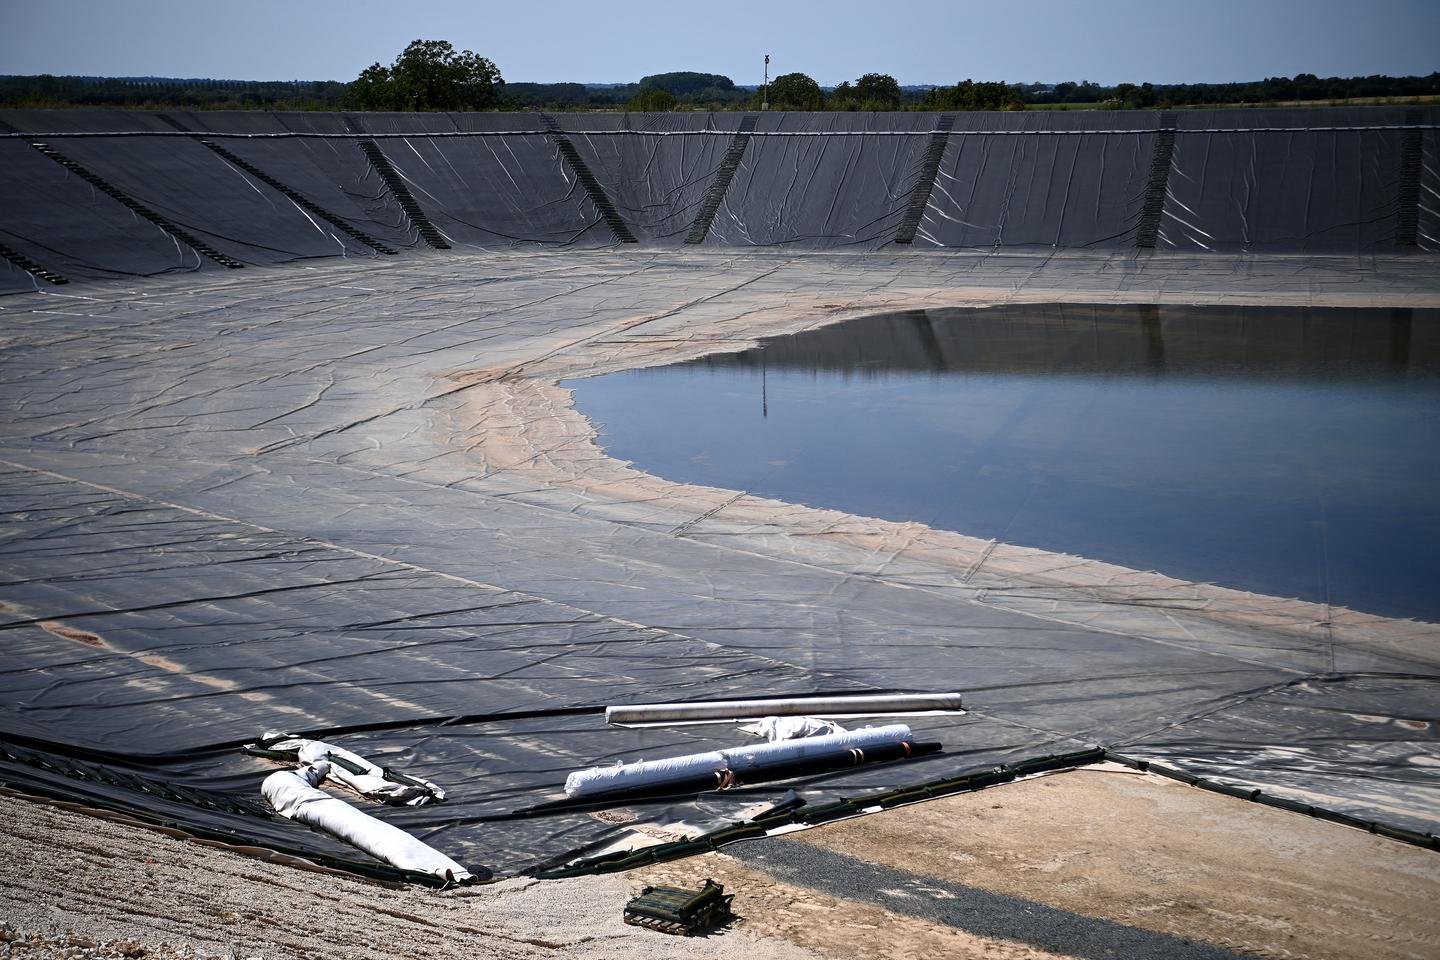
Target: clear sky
{"points": [[916, 41]]}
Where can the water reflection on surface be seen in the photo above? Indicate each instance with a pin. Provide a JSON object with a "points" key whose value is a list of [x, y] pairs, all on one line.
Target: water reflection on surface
{"points": [[1289, 451]]}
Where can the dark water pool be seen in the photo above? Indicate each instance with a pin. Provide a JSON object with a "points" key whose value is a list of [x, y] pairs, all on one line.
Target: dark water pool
{"points": [[1293, 452]]}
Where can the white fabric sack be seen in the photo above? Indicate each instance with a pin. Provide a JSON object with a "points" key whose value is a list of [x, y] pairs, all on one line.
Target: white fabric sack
{"points": [[771, 754], [776, 729], [370, 782], [294, 796], [642, 773]]}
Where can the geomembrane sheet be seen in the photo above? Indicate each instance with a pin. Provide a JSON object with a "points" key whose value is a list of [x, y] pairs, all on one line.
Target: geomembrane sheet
{"points": [[342, 494]]}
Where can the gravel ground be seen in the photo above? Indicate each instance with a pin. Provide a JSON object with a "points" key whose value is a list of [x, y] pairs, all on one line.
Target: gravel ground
{"points": [[1099, 862], [79, 887], [1095, 863], [67, 946]]}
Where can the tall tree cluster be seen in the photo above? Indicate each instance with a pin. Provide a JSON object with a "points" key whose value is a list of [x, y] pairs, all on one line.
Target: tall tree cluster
{"points": [[428, 75]]}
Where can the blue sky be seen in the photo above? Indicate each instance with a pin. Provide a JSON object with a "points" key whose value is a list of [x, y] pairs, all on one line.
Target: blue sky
{"points": [[917, 41]]}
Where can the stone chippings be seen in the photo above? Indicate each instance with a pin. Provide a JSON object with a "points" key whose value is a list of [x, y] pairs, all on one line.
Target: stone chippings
{"points": [[37, 945]]}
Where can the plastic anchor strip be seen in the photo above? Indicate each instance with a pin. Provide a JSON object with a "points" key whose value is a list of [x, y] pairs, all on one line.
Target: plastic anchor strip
{"points": [[820, 134], [1158, 185], [925, 185], [30, 266], [396, 185], [1407, 224], [720, 183]]}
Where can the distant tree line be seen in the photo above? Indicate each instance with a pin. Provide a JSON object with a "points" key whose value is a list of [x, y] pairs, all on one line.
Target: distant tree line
{"points": [[433, 75], [144, 93]]}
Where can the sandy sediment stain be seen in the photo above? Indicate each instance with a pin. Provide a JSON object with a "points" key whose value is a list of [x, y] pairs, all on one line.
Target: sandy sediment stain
{"points": [[70, 633], [168, 665]]}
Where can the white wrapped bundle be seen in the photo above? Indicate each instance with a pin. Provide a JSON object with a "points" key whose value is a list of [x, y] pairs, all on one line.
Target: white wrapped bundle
{"points": [[655, 773], [294, 796], [764, 755], [776, 729], [645, 773]]}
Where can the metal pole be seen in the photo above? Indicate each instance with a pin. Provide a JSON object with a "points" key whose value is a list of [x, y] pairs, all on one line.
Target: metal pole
{"points": [[764, 87]]}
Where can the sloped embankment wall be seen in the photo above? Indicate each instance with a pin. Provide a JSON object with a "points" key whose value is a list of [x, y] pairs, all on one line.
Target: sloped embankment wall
{"points": [[102, 194]]}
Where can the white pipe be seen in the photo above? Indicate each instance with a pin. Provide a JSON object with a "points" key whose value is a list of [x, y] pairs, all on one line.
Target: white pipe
{"points": [[834, 706]]}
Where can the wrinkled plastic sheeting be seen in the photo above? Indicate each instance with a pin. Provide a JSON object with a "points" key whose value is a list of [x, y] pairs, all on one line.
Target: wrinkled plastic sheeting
{"points": [[1040, 178], [489, 192], [59, 220], [478, 191], [331, 623], [1359, 744], [1283, 190], [333, 174], [823, 191], [1047, 190], [239, 506], [200, 191], [656, 182], [1428, 221]]}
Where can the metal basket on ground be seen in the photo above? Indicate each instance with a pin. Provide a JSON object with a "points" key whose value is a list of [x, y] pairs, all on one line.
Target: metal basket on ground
{"points": [[680, 911]]}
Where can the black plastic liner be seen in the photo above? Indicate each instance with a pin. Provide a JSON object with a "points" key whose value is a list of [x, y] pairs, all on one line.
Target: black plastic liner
{"points": [[230, 504], [164, 638], [1284, 180]]}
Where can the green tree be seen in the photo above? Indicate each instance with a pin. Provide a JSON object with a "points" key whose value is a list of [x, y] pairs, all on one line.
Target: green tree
{"points": [[794, 91], [688, 85], [878, 91], [969, 95], [843, 97], [653, 100], [428, 75]]}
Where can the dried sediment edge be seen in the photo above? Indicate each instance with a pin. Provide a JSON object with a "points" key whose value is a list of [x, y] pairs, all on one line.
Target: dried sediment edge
{"points": [[519, 422]]}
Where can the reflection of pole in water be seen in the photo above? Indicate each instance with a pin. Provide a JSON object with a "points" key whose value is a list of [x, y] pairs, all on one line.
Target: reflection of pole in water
{"points": [[764, 397], [1154, 336], [1400, 338]]}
